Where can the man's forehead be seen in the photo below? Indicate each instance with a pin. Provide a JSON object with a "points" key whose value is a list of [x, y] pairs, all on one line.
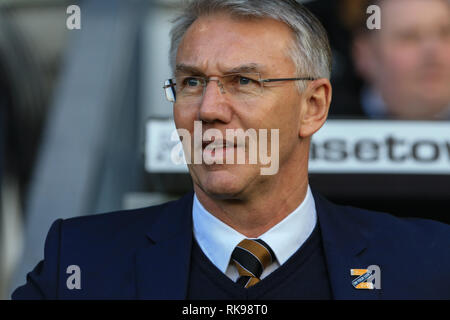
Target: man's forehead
{"points": [[231, 46], [225, 27]]}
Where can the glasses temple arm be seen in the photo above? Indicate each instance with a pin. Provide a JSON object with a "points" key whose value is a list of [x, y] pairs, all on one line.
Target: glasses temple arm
{"points": [[288, 79]]}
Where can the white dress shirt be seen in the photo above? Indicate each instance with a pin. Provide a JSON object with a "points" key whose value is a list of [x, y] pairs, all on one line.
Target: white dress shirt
{"points": [[218, 240]]}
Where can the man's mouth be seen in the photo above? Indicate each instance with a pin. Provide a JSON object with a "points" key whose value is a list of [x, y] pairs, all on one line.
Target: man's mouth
{"points": [[219, 149], [218, 144]]}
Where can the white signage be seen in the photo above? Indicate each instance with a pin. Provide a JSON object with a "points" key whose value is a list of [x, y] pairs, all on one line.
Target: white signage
{"points": [[340, 146], [159, 145], [372, 146]]}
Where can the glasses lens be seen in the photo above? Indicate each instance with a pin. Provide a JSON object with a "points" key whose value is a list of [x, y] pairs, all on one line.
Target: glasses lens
{"points": [[190, 85], [239, 86], [243, 85], [169, 89]]}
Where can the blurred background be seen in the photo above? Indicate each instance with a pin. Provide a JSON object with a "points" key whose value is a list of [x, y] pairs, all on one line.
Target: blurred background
{"points": [[74, 104]]}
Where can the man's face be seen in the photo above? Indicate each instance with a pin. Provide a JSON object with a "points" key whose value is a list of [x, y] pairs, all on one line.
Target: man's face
{"points": [[217, 45], [412, 57]]}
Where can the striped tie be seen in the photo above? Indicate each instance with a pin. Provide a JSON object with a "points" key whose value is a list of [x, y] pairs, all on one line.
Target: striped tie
{"points": [[251, 256]]}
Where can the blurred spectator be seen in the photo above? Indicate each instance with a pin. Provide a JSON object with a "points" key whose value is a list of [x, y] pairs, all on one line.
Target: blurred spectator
{"points": [[339, 19], [406, 64]]}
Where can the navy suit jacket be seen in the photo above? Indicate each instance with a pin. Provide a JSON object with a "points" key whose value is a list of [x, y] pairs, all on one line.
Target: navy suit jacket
{"points": [[145, 254]]}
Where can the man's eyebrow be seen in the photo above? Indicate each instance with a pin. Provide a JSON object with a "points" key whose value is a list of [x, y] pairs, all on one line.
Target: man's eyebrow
{"points": [[245, 68], [183, 68]]}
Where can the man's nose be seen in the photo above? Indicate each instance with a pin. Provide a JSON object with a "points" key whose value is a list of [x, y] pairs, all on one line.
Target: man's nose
{"points": [[215, 105]]}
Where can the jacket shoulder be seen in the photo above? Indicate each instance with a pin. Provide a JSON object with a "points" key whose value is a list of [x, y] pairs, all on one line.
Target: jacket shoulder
{"points": [[94, 243], [413, 253], [377, 224], [127, 222], [407, 230], [416, 255]]}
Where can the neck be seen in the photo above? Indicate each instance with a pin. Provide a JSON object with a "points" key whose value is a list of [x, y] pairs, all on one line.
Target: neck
{"points": [[253, 216]]}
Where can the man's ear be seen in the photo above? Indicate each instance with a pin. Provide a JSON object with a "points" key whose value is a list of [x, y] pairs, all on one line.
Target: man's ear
{"points": [[316, 103]]}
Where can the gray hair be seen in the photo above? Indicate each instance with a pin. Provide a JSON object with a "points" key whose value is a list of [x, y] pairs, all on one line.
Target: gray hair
{"points": [[310, 51]]}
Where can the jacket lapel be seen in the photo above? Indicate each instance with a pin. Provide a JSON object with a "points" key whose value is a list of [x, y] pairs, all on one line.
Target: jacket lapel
{"points": [[346, 241], [162, 268]]}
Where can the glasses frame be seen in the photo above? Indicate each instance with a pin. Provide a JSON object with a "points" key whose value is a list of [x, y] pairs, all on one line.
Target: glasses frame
{"points": [[170, 83]]}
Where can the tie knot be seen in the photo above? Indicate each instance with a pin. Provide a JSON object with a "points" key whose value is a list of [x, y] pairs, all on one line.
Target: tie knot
{"points": [[251, 256]]}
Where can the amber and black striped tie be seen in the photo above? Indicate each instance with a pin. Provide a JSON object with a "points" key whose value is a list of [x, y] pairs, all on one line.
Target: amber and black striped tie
{"points": [[251, 257]]}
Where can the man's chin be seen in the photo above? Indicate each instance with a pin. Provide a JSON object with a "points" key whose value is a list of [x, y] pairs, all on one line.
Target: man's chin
{"points": [[221, 184]]}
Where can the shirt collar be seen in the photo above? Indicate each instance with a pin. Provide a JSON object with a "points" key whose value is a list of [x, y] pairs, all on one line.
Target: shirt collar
{"points": [[218, 240]]}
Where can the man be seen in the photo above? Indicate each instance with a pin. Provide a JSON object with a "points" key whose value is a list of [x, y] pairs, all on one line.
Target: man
{"points": [[261, 65], [406, 64]]}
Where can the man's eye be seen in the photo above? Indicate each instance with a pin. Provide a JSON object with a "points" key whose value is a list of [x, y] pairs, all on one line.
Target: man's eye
{"points": [[191, 82], [245, 81]]}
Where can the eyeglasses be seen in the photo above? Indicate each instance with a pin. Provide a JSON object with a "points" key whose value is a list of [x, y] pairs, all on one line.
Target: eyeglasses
{"points": [[241, 86]]}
